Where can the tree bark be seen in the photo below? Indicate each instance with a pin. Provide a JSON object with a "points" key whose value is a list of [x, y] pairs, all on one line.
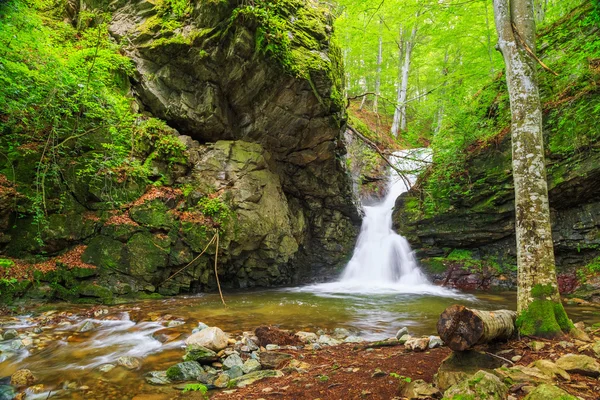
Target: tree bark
{"points": [[378, 71], [405, 72], [396, 121], [538, 300], [462, 328]]}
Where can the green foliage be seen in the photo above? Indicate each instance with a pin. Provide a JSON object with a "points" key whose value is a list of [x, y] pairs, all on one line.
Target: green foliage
{"points": [[6, 263], [196, 387], [402, 378], [216, 209], [323, 378]]}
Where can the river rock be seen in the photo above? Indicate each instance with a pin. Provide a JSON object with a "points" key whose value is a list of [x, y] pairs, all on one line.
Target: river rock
{"points": [[460, 365], [22, 377], [129, 362], [579, 364], [354, 339], [207, 378], [222, 380], [252, 377], [248, 342], [435, 342], [235, 372], [166, 335], [549, 392], [328, 340], [340, 333], [522, 374], [7, 392], [481, 386], [401, 332], [195, 352], [106, 368], [212, 338], [87, 326], [273, 359], [307, 337], [233, 360], [10, 334], [174, 322], [251, 365], [417, 344], [201, 326], [404, 338], [271, 347], [551, 369], [185, 371], [157, 378], [419, 389]]}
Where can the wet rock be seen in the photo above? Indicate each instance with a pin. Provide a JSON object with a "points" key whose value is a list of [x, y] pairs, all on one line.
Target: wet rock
{"points": [[235, 372], [273, 359], [157, 378], [419, 389], [417, 344], [27, 342], [252, 346], [481, 386], [106, 368], [212, 338], [458, 366], [200, 354], [207, 378], [536, 346], [299, 366], [129, 362], [233, 360], [166, 335], [252, 377], [307, 337], [549, 392], [354, 339], [404, 338], [173, 323], [579, 364], [251, 365], [551, 369], [16, 344], [7, 392], [87, 326], [435, 342], [222, 380], [36, 389], [401, 332], [22, 377], [340, 333], [185, 371], [10, 334], [328, 340]]}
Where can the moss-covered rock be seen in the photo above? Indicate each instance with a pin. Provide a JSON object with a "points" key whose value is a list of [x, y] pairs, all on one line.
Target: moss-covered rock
{"points": [[152, 214], [145, 254]]}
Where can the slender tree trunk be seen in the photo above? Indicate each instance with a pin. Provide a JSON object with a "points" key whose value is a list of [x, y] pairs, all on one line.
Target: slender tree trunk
{"points": [[538, 300], [378, 72], [396, 121], [409, 45], [540, 10], [440, 116], [490, 46]]}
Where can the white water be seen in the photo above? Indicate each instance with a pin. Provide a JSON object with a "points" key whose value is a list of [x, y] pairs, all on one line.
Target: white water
{"points": [[383, 261]]}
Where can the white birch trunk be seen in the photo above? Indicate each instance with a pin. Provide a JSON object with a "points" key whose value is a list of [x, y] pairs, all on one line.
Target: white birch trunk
{"points": [[405, 73], [535, 254], [378, 72], [396, 121]]}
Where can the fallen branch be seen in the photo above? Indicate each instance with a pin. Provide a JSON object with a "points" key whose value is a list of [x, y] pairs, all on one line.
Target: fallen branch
{"points": [[530, 52]]}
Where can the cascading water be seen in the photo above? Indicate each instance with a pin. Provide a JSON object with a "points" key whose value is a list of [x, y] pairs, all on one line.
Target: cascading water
{"points": [[383, 260]]}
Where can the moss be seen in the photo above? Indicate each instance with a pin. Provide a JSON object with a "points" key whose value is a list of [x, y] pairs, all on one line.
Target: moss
{"points": [[542, 291], [544, 318]]}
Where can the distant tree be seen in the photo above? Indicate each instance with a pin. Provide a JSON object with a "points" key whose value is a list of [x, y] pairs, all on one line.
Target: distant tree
{"points": [[540, 311]]}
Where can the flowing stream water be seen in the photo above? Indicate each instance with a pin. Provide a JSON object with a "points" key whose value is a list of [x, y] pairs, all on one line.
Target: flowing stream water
{"points": [[380, 290]]}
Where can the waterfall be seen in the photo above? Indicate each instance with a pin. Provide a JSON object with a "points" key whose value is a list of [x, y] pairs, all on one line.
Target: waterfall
{"points": [[383, 261]]}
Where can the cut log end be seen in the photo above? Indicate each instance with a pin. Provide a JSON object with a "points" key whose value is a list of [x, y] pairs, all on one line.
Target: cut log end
{"points": [[462, 328]]}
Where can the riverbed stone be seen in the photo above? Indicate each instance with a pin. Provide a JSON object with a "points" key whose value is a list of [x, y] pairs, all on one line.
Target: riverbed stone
{"points": [[252, 377], [201, 326], [207, 377], [201, 354], [417, 344], [273, 359], [185, 371], [222, 380], [87, 326], [328, 340], [522, 374], [404, 338], [579, 364], [340, 333], [549, 392], [251, 365], [536, 345], [106, 368], [235, 372], [233, 360], [10, 334], [551, 369], [481, 386], [401, 332], [212, 338], [419, 389], [129, 362], [157, 378], [354, 339], [7, 392], [307, 337], [22, 377], [435, 342]]}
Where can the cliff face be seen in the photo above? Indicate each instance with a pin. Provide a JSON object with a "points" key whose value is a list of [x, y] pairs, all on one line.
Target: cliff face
{"points": [[466, 238], [253, 99]]}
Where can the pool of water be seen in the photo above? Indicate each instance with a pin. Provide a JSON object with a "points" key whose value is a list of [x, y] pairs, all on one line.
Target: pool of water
{"points": [[61, 356]]}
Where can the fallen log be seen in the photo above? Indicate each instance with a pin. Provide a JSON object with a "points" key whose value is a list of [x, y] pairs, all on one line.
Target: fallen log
{"points": [[462, 328]]}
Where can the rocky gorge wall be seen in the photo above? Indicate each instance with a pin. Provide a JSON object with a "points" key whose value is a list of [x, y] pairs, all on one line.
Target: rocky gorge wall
{"points": [[253, 148]]}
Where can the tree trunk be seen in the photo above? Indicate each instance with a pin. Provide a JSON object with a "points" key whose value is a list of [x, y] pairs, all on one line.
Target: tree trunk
{"points": [[405, 72], [462, 328], [538, 302], [440, 113], [378, 72], [396, 121]]}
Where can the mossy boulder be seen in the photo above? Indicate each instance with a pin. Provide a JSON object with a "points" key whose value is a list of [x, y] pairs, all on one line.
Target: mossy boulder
{"points": [[481, 386], [185, 371], [104, 252], [146, 253], [153, 214]]}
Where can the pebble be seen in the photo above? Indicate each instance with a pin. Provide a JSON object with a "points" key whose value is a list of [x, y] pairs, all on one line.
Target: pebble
{"points": [[516, 358], [106, 368], [174, 323], [270, 347], [401, 332]]}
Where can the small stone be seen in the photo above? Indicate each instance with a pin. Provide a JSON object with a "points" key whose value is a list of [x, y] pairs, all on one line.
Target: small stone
{"points": [[106, 368], [201, 326], [233, 360], [10, 334], [251, 365], [222, 380], [565, 344], [129, 362], [378, 373], [551, 369], [354, 339], [435, 342], [35, 389], [401, 332], [235, 372], [22, 377], [16, 344], [87, 326], [516, 358], [207, 378], [252, 346], [27, 342], [328, 340], [270, 347], [199, 353], [157, 378], [417, 344], [404, 338], [173, 323], [340, 333], [307, 337], [298, 365], [536, 346], [273, 360]]}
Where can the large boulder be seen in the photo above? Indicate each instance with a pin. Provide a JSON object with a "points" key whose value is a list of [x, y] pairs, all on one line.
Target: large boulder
{"points": [[211, 338]]}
